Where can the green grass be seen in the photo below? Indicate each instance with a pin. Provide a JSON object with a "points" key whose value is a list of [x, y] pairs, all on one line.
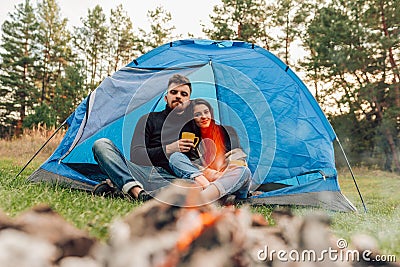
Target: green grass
{"points": [[94, 214], [90, 213], [382, 219], [380, 191]]}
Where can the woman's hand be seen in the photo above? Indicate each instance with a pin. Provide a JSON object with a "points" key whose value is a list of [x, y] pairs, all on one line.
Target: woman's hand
{"points": [[212, 174], [202, 181]]}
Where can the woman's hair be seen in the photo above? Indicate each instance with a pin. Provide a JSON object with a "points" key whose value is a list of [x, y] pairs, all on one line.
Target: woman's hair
{"points": [[214, 153], [200, 101]]}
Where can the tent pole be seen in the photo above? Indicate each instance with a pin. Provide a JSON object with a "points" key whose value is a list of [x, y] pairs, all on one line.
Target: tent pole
{"points": [[352, 174], [40, 149]]}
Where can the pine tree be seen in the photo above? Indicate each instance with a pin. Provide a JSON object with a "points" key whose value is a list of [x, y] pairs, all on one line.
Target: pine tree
{"points": [[17, 79], [383, 18], [353, 54], [70, 91], [303, 18], [285, 22], [161, 30], [122, 39], [244, 20], [91, 41], [54, 39]]}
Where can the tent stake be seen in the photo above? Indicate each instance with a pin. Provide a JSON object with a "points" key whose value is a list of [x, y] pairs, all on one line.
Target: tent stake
{"points": [[40, 149], [352, 174]]}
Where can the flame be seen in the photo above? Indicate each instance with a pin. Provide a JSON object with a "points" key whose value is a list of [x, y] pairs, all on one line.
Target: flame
{"points": [[191, 225], [187, 237]]}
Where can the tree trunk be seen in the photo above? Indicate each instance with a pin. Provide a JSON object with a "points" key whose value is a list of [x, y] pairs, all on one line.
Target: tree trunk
{"points": [[287, 40], [393, 150], [21, 94], [396, 74], [389, 138], [94, 70], [239, 31], [316, 85]]}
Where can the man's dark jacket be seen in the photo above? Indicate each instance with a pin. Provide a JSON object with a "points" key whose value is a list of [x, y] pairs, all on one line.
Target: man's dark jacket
{"points": [[153, 132]]}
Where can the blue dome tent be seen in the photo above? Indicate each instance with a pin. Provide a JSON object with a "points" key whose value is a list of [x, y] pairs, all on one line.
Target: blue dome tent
{"points": [[281, 127]]}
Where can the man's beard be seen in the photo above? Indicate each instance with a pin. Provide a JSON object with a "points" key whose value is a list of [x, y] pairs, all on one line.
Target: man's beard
{"points": [[178, 106]]}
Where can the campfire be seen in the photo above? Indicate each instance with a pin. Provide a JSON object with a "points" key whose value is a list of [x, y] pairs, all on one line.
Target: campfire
{"points": [[164, 235]]}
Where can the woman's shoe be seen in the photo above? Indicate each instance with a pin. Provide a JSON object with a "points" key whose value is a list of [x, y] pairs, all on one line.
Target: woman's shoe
{"points": [[144, 196]]}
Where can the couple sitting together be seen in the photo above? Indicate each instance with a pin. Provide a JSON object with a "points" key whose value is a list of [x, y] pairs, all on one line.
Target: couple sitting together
{"points": [[181, 142]]}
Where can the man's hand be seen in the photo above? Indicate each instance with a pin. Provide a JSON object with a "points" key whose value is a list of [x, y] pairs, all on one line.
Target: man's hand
{"points": [[182, 145]]}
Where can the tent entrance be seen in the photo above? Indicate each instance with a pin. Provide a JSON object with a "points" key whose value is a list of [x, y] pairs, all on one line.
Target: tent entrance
{"points": [[236, 101]]}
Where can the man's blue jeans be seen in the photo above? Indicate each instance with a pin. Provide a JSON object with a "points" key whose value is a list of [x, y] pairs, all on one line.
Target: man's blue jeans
{"points": [[125, 174], [233, 181]]}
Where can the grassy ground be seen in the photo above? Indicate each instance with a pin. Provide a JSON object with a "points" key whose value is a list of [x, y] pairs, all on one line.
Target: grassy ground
{"points": [[381, 221], [380, 191], [94, 214]]}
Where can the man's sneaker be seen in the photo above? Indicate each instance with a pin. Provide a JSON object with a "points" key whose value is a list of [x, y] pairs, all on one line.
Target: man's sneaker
{"points": [[227, 200], [144, 196], [106, 189]]}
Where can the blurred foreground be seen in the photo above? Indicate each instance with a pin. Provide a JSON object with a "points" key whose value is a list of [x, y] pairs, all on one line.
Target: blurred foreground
{"points": [[157, 234]]}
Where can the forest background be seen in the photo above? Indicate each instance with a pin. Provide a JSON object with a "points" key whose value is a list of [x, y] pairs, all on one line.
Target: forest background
{"points": [[350, 62]]}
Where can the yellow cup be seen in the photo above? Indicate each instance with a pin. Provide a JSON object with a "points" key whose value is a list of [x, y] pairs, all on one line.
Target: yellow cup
{"points": [[191, 136]]}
